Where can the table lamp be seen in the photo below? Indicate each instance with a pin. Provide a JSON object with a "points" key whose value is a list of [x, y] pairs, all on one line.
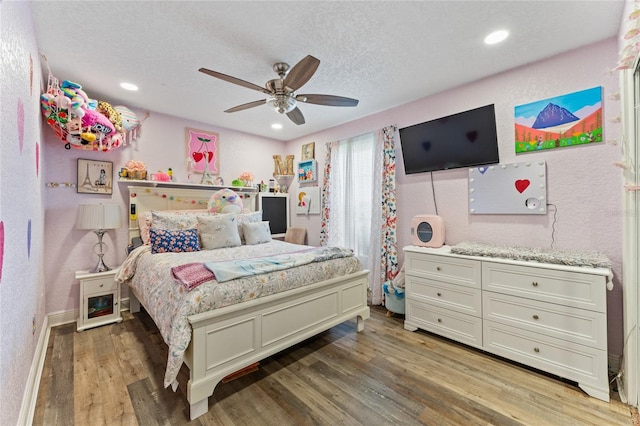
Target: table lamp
{"points": [[99, 218]]}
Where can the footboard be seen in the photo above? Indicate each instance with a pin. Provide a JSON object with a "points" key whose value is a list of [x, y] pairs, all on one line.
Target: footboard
{"points": [[229, 339]]}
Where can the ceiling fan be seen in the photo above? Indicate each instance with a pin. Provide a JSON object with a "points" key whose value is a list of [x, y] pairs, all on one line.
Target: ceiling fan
{"points": [[282, 97]]}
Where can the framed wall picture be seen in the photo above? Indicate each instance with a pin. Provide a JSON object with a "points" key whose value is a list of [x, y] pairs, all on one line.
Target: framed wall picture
{"points": [[203, 150], [308, 200], [308, 151], [307, 171], [95, 177], [564, 121]]}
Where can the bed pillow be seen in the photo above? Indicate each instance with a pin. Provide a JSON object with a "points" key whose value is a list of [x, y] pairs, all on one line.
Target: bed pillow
{"points": [[256, 232], [218, 231], [173, 241], [176, 219], [144, 223], [252, 217]]}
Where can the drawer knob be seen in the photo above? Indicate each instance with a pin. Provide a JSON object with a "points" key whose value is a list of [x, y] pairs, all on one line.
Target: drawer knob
{"points": [[439, 320], [438, 268], [536, 350], [535, 317], [535, 284], [101, 285], [439, 294]]}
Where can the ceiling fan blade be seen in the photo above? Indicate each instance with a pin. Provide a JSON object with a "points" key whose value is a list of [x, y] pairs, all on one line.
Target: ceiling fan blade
{"points": [[247, 106], [296, 116], [301, 72], [234, 80], [328, 100]]}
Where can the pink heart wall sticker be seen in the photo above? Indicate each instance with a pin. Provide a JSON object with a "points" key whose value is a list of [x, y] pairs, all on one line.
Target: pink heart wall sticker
{"points": [[1, 247], [522, 184]]}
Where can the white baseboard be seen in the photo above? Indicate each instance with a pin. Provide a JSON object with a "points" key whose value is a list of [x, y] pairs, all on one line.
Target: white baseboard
{"points": [[63, 317], [30, 396]]}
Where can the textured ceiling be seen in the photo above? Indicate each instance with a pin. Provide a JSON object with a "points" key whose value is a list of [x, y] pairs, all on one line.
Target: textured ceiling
{"points": [[384, 53]]}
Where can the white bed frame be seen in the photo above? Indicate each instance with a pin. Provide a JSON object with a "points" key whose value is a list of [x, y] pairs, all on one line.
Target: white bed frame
{"points": [[228, 339]]}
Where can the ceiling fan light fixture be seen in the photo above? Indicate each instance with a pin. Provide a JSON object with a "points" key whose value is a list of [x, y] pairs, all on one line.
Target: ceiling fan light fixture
{"points": [[281, 103]]}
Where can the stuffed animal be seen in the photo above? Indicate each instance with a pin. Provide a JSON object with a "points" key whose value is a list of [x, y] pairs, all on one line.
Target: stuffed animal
{"points": [[107, 110], [225, 201], [80, 102], [97, 122], [129, 118]]}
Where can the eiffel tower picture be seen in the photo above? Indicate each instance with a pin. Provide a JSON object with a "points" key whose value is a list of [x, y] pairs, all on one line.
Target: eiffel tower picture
{"points": [[95, 176], [87, 181]]}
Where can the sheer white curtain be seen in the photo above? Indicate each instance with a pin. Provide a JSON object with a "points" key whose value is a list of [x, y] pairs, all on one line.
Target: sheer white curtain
{"points": [[353, 202]]}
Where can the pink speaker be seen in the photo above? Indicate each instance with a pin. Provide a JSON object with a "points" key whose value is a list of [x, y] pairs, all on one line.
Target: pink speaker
{"points": [[427, 231]]}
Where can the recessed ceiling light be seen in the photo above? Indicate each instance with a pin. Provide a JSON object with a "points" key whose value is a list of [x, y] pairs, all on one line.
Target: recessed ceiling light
{"points": [[129, 86], [496, 37], [276, 126]]}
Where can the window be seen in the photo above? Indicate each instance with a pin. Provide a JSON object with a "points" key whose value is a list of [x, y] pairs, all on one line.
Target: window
{"points": [[352, 195]]}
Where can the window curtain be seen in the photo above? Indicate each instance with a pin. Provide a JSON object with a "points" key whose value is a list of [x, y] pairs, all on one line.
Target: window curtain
{"points": [[388, 267], [359, 203]]}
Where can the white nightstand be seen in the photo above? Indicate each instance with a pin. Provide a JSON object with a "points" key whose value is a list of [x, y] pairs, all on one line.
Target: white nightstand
{"points": [[99, 299]]}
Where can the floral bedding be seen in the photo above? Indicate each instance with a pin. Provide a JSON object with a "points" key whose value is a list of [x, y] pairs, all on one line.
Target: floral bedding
{"points": [[170, 304]]}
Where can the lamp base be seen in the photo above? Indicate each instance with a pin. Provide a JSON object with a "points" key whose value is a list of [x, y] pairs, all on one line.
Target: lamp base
{"points": [[101, 266]]}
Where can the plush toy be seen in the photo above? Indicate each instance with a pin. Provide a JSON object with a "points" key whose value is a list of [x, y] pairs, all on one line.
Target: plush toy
{"points": [[97, 122], [80, 102], [129, 118], [107, 110], [225, 201]]}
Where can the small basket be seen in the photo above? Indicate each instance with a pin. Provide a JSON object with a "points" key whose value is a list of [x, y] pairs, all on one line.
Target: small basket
{"points": [[137, 174], [394, 299]]}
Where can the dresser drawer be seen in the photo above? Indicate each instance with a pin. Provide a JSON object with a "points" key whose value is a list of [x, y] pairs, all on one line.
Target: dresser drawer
{"points": [[580, 290], [563, 322], [454, 325], [583, 364], [100, 285], [458, 271], [466, 300]]}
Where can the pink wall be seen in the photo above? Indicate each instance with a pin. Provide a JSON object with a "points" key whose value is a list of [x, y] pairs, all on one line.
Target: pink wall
{"points": [[22, 248], [582, 182], [161, 145]]}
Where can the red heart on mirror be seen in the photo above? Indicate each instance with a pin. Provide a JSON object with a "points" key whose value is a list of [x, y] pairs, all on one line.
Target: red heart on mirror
{"points": [[522, 184], [197, 156], [209, 155]]}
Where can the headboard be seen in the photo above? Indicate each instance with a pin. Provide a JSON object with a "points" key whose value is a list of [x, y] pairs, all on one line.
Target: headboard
{"points": [[144, 198]]}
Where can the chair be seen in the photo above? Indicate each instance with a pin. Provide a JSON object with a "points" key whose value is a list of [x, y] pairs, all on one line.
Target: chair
{"points": [[296, 235]]}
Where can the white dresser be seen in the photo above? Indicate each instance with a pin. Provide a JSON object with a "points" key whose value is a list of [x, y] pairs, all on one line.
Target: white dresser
{"points": [[549, 316]]}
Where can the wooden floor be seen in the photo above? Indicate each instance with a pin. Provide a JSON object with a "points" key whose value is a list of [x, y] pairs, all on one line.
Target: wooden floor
{"points": [[386, 375]]}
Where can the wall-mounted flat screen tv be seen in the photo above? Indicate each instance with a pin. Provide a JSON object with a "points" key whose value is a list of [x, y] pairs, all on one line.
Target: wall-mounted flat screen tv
{"points": [[465, 139]]}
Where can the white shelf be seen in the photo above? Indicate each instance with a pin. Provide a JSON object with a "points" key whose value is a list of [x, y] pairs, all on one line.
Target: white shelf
{"points": [[189, 185]]}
